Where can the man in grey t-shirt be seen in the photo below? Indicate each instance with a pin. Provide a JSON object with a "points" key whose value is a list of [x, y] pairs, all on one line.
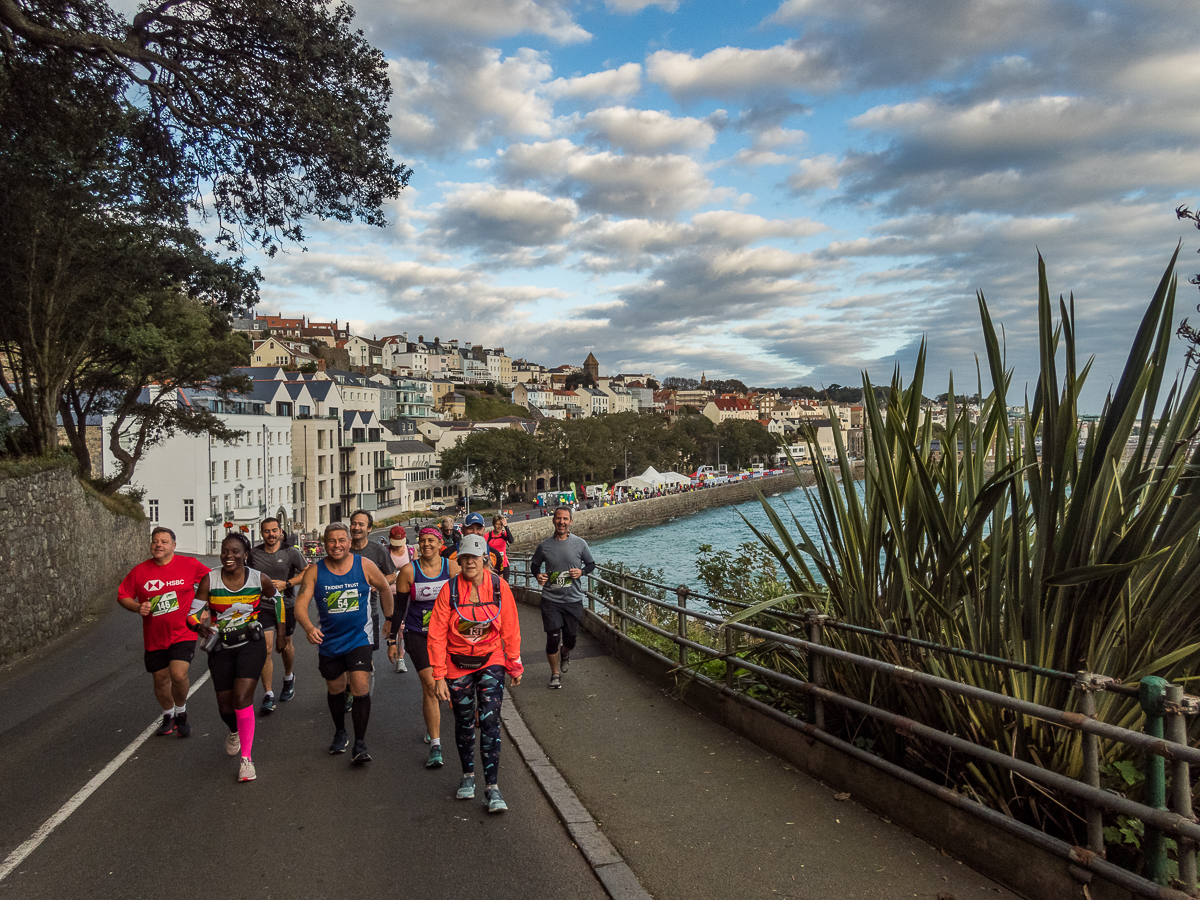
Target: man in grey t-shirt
{"points": [[567, 559], [285, 567]]}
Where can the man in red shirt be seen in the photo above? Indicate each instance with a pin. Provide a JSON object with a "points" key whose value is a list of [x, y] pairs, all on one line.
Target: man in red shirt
{"points": [[161, 591]]}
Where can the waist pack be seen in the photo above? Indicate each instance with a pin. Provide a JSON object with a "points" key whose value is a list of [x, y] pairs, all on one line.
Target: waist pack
{"points": [[237, 637], [469, 663]]}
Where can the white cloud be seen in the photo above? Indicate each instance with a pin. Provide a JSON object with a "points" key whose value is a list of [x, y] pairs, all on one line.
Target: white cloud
{"points": [[623, 81], [647, 130], [738, 72], [469, 100], [815, 174], [652, 186], [635, 6], [454, 21], [494, 219]]}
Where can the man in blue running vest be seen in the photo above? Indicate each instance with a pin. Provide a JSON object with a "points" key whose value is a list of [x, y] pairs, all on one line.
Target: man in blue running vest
{"points": [[341, 584]]}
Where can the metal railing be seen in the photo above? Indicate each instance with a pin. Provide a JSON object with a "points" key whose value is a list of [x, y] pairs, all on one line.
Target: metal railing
{"points": [[1165, 706]]}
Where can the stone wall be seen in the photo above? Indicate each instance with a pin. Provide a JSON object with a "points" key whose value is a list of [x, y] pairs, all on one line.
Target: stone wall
{"points": [[60, 550], [594, 523]]}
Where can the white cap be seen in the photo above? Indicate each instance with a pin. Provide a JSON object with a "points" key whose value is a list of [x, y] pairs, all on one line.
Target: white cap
{"points": [[473, 545]]}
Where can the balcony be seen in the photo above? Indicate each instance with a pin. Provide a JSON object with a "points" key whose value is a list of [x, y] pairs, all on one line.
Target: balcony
{"points": [[385, 465], [383, 485]]}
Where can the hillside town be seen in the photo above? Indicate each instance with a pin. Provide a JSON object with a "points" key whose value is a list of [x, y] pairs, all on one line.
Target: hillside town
{"points": [[336, 421]]}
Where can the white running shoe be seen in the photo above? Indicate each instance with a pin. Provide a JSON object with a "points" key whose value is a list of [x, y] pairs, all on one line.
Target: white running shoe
{"points": [[400, 664], [246, 770], [233, 743]]}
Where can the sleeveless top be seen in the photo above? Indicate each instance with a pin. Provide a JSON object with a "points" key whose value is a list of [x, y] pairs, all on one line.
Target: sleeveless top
{"points": [[234, 607], [425, 591], [344, 607], [499, 545]]}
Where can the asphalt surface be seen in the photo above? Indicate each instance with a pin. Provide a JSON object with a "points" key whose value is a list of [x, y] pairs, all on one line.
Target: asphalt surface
{"points": [[172, 820], [697, 812]]}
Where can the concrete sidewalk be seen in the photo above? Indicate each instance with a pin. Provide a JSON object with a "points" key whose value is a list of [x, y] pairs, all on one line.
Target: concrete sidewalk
{"points": [[698, 812]]}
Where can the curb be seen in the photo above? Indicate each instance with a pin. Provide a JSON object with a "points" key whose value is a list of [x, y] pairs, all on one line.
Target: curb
{"points": [[612, 871]]}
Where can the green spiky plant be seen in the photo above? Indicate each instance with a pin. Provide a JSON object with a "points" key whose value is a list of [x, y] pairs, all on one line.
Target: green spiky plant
{"points": [[1081, 557]]}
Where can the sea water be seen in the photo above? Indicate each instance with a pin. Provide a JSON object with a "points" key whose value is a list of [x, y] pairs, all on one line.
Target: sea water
{"points": [[673, 545]]}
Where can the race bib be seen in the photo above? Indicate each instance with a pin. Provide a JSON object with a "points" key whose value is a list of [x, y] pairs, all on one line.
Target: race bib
{"points": [[474, 631], [236, 616], [343, 601], [560, 579], [425, 617], [164, 603]]}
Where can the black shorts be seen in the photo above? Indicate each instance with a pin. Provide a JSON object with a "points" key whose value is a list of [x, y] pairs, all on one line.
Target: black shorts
{"points": [[289, 620], [357, 660], [228, 665], [561, 616], [157, 660], [416, 645]]}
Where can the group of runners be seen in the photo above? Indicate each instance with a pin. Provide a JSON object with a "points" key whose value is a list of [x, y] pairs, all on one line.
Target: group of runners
{"points": [[447, 606]]}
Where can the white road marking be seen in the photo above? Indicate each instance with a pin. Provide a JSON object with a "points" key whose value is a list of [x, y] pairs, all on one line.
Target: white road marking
{"points": [[18, 856]]}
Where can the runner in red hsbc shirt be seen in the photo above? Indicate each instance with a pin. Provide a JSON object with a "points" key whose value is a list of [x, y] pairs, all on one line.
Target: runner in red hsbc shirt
{"points": [[161, 590]]}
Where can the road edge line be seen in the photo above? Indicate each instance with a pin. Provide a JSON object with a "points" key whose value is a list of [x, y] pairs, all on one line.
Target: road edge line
{"points": [[19, 855], [610, 868]]}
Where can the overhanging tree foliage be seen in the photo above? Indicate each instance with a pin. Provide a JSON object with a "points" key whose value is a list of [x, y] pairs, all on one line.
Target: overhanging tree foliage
{"points": [[278, 109]]}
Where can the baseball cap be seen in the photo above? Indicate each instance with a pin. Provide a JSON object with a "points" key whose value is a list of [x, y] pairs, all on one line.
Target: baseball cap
{"points": [[397, 537], [473, 519], [472, 545]]}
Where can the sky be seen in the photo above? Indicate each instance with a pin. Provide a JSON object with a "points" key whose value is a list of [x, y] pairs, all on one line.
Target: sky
{"points": [[781, 192]]}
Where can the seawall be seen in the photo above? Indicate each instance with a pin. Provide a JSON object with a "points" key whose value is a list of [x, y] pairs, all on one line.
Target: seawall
{"points": [[60, 551], [594, 523]]}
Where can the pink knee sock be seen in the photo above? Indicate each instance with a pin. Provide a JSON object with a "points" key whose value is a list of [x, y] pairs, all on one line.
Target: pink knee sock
{"points": [[245, 723]]}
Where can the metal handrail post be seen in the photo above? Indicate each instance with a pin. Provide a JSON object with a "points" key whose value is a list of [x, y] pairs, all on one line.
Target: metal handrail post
{"points": [[1152, 695], [623, 624], [730, 649], [681, 622], [1181, 786], [816, 667], [1091, 761]]}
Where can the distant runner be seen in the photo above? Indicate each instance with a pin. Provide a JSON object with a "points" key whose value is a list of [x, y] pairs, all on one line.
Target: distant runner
{"points": [[473, 524], [161, 591], [341, 584], [431, 573], [284, 566], [474, 638], [567, 559], [498, 539], [244, 607], [402, 554]]}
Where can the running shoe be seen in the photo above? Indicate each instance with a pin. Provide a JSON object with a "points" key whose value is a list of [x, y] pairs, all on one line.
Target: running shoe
{"points": [[182, 726], [289, 690], [435, 757], [233, 743], [167, 726], [565, 659], [401, 666], [246, 770], [341, 741], [466, 790], [427, 737], [268, 706], [349, 700], [555, 682], [493, 802], [360, 754]]}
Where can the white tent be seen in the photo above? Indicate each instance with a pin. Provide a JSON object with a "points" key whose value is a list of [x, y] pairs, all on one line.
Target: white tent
{"points": [[636, 482], [669, 478]]}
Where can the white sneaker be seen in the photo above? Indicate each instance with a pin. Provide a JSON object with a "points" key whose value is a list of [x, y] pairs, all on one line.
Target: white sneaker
{"points": [[246, 770], [400, 665], [233, 743]]}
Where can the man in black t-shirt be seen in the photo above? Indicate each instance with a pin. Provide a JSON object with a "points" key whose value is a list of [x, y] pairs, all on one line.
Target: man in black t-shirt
{"points": [[285, 567]]}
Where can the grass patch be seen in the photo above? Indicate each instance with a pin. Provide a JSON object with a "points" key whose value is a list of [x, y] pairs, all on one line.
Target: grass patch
{"points": [[23, 467], [118, 504], [482, 408]]}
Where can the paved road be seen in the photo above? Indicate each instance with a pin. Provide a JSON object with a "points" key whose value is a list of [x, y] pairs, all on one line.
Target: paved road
{"points": [[173, 821]]}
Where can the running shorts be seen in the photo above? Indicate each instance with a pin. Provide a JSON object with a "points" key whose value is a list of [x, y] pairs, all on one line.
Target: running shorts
{"points": [[561, 616], [157, 660], [228, 665], [357, 660], [416, 644]]}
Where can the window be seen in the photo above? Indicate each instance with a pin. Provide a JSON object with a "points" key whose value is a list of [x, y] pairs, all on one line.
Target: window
{"points": [[189, 511], [258, 438], [237, 468], [153, 504], [258, 466], [321, 515], [214, 473], [320, 490], [320, 465], [226, 467], [321, 440], [227, 506], [271, 467]]}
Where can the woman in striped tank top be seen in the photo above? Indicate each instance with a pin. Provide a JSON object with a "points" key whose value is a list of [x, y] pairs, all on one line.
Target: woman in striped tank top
{"points": [[240, 603], [430, 571]]}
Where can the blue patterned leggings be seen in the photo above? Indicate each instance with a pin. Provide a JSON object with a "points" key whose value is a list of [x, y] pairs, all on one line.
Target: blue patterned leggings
{"points": [[488, 684]]}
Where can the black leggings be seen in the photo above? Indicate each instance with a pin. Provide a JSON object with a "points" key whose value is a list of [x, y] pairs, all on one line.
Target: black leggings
{"points": [[552, 639], [488, 685]]}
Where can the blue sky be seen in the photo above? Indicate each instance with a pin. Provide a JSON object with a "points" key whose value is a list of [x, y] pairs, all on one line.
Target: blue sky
{"points": [[783, 192]]}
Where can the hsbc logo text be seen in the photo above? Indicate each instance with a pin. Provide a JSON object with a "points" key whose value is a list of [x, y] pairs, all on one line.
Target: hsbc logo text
{"points": [[156, 585]]}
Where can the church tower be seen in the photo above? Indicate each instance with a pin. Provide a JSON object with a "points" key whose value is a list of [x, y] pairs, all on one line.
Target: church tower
{"points": [[591, 366]]}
